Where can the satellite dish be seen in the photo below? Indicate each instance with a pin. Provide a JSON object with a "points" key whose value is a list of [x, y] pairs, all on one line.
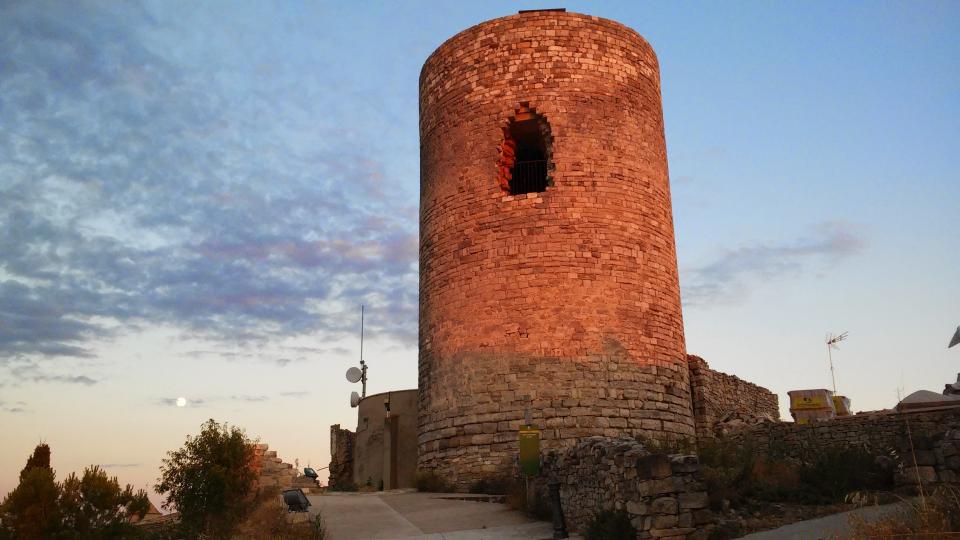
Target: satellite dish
{"points": [[956, 338], [354, 399], [354, 374]]}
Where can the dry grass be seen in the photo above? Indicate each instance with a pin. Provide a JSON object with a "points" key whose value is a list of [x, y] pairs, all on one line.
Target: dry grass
{"points": [[934, 516], [270, 519]]}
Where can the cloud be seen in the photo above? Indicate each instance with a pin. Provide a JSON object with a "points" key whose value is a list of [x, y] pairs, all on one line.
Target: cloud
{"points": [[13, 408], [249, 399], [295, 394], [728, 277], [190, 402], [211, 400], [142, 187], [26, 371]]}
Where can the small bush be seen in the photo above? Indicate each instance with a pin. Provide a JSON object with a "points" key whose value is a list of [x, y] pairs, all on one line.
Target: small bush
{"points": [[431, 482], [727, 467], [835, 472], [609, 525], [774, 479], [735, 472]]}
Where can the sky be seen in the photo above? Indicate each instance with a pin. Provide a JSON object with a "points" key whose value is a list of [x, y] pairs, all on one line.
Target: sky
{"points": [[196, 198]]}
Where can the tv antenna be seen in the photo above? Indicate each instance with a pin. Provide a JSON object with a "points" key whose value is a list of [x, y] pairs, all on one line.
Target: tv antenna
{"points": [[359, 374], [832, 341]]}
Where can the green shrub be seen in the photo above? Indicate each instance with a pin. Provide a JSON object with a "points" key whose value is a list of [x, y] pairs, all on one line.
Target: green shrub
{"points": [[727, 469], [431, 482], [210, 480], [834, 472], [91, 506], [609, 525], [735, 472]]}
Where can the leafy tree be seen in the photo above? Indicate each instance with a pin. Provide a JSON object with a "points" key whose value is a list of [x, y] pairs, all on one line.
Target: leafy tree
{"points": [[94, 506], [210, 480], [30, 511]]}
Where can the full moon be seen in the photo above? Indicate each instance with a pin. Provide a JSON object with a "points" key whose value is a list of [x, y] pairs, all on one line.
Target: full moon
{"points": [[181, 402]]}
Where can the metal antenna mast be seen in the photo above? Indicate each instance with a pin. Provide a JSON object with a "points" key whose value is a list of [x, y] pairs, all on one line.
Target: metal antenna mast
{"points": [[363, 365], [832, 341]]}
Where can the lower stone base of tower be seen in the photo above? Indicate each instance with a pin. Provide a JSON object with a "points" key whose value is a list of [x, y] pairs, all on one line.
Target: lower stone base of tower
{"points": [[474, 404]]}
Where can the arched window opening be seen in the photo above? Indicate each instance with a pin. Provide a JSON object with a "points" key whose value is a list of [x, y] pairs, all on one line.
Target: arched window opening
{"points": [[524, 154]]}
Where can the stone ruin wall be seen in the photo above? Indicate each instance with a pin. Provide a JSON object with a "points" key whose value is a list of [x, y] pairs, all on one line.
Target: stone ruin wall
{"points": [[935, 440], [664, 496], [342, 443], [274, 473], [565, 302], [717, 397]]}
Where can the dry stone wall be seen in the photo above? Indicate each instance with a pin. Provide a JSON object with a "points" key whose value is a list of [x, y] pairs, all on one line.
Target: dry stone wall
{"points": [[342, 443], [663, 494], [274, 473], [718, 397], [564, 302], [932, 436]]}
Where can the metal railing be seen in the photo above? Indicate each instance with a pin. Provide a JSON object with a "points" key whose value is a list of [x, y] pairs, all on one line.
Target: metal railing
{"points": [[529, 177]]}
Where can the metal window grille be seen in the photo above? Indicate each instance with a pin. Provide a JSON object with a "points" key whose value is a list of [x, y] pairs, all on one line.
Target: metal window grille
{"points": [[529, 177]]}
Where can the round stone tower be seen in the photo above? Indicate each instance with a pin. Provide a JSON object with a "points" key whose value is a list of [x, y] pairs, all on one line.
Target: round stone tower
{"points": [[548, 273]]}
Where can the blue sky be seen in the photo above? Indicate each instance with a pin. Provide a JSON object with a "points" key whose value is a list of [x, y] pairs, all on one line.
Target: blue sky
{"points": [[195, 200]]}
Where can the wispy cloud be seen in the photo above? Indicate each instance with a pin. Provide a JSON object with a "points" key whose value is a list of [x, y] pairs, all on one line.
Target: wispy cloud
{"points": [[189, 402], [249, 399], [28, 371], [296, 394], [13, 407], [729, 277], [140, 188], [203, 401]]}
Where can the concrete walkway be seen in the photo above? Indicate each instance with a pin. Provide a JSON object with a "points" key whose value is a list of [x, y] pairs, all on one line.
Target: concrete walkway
{"points": [[409, 514], [827, 527]]}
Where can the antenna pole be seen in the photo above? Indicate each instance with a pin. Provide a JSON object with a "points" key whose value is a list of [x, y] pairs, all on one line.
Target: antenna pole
{"points": [[832, 377], [363, 365]]}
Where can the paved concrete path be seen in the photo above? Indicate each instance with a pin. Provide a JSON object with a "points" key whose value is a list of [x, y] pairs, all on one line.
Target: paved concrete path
{"points": [[827, 527], [408, 514]]}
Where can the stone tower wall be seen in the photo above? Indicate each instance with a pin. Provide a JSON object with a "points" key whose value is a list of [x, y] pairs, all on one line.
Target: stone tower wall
{"points": [[564, 302]]}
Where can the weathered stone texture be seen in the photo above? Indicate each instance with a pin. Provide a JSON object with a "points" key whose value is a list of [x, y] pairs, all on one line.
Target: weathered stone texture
{"points": [[564, 302], [663, 494], [342, 442], [933, 437], [718, 396], [274, 473]]}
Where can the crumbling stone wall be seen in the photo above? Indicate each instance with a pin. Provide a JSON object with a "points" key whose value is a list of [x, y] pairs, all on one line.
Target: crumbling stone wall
{"points": [[935, 440], [718, 396], [564, 302], [663, 495], [275, 473], [342, 442]]}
